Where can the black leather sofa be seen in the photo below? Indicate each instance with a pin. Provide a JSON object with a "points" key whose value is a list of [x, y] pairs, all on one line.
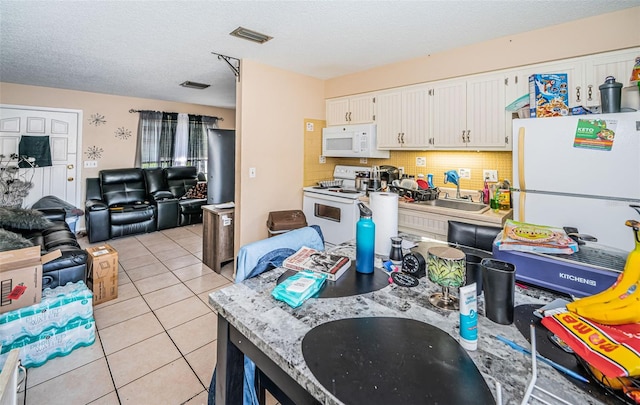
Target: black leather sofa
{"points": [[72, 265], [123, 202]]}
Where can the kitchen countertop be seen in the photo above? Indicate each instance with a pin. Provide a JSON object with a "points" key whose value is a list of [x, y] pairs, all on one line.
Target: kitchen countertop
{"points": [[488, 216], [278, 330]]}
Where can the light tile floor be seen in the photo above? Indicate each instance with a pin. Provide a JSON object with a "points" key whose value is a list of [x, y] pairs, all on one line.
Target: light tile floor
{"points": [[155, 343]]}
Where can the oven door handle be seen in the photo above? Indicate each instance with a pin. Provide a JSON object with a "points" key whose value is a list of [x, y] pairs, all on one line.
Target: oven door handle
{"points": [[325, 197]]}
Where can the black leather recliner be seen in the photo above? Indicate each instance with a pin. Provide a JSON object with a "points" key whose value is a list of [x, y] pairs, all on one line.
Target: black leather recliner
{"points": [[167, 208], [180, 179], [72, 265], [117, 205]]}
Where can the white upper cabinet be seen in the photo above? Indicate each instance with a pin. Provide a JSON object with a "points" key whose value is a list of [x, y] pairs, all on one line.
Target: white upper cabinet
{"points": [[402, 118], [449, 117], [485, 113], [597, 68], [469, 113], [351, 110]]}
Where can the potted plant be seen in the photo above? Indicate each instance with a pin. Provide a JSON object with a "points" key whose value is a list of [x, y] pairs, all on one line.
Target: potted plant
{"points": [[15, 182]]}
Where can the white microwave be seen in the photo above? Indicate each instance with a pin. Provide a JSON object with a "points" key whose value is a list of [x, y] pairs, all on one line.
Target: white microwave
{"points": [[351, 141]]}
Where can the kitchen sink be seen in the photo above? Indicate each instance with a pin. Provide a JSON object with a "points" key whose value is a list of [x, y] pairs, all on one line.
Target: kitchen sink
{"points": [[457, 205]]}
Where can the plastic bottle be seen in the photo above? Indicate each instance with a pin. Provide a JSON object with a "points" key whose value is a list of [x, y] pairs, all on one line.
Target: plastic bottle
{"points": [[485, 193], [469, 317], [365, 241]]}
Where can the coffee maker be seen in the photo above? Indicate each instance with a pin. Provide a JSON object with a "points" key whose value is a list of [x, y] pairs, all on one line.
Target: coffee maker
{"points": [[389, 174]]}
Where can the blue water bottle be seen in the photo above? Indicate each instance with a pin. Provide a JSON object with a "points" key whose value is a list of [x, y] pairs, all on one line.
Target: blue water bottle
{"points": [[365, 241]]}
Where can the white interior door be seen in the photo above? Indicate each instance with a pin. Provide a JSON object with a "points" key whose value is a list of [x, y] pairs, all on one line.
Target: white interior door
{"points": [[63, 127]]}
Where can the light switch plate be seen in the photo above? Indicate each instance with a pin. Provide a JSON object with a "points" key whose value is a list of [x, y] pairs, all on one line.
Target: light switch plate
{"points": [[363, 161], [322, 160], [252, 172], [421, 161], [90, 163], [490, 175], [464, 173]]}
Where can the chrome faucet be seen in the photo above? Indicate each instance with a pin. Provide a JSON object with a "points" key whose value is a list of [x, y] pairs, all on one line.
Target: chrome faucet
{"points": [[453, 178]]}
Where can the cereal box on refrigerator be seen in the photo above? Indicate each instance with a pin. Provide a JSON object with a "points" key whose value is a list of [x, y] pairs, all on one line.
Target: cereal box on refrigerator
{"points": [[548, 95]]}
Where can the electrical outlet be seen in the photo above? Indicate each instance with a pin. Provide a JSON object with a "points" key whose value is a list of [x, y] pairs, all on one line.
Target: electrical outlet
{"points": [[252, 172], [490, 175], [421, 161], [322, 160], [90, 163], [464, 173], [363, 160]]}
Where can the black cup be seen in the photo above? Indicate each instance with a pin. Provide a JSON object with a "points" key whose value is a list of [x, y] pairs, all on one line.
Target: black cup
{"points": [[474, 271], [499, 284]]}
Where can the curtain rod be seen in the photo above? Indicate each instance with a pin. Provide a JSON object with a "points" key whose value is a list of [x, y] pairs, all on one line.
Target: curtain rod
{"points": [[137, 111]]}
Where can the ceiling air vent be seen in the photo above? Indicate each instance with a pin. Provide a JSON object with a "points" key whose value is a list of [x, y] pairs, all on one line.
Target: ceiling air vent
{"points": [[194, 85], [249, 35]]}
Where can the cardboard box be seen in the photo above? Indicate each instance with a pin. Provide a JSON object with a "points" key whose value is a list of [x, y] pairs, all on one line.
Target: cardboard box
{"points": [[548, 95], [21, 277], [103, 273]]}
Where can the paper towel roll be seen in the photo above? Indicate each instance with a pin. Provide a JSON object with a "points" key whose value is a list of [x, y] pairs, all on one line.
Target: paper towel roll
{"points": [[385, 216]]}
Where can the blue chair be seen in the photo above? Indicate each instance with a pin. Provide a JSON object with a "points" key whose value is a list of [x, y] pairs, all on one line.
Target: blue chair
{"points": [[254, 259]]}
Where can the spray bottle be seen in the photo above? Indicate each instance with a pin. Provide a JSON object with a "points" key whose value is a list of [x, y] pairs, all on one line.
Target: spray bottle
{"points": [[485, 193], [365, 241]]}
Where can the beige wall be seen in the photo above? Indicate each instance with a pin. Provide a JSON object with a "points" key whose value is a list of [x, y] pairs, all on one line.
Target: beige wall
{"points": [[606, 32], [273, 104], [116, 152]]}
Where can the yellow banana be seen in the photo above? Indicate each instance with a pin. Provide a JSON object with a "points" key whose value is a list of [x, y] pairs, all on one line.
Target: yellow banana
{"points": [[629, 276], [623, 310]]}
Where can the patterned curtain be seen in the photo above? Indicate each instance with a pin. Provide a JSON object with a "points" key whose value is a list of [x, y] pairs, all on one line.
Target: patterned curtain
{"points": [[148, 141], [167, 139], [158, 139]]}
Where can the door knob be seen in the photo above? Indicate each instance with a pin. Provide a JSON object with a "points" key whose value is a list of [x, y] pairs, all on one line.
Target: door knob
{"points": [[69, 178], [69, 167]]}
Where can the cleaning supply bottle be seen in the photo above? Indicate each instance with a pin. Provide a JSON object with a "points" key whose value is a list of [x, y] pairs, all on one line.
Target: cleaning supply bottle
{"points": [[485, 193], [365, 241]]}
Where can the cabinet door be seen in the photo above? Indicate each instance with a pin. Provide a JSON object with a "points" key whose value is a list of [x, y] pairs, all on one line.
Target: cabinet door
{"points": [[337, 111], [362, 109], [574, 71], [597, 69], [485, 113], [389, 120], [415, 128], [449, 106]]}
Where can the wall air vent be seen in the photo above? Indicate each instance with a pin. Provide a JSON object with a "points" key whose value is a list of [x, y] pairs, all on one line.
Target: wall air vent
{"points": [[250, 35], [194, 85]]}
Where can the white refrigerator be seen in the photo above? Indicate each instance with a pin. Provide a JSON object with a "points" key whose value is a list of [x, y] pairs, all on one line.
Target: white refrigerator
{"points": [[583, 174]]}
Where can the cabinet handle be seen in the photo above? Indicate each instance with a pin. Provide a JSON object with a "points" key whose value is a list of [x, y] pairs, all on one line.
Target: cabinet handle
{"points": [[468, 132], [398, 137], [577, 94], [403, 137], [590, 93], [463, 131], [516, 79], [346, 116], [349, 116]]}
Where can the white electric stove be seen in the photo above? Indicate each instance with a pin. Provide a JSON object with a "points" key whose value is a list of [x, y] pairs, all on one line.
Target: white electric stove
{"points": [[335, 209]]}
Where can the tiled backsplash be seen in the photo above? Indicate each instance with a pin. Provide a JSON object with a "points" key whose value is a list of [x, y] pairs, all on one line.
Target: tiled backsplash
{"points": [[438, 162]]}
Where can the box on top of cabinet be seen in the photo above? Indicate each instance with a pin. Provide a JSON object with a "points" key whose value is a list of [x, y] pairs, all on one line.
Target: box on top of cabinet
{"points": [[548, 95]]}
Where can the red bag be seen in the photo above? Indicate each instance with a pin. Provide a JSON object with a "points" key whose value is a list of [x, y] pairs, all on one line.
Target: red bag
{"points": [[614, 350]]}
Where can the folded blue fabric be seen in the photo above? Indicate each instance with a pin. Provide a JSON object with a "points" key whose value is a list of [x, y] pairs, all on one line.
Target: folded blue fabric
{"points": [[257, 257]]}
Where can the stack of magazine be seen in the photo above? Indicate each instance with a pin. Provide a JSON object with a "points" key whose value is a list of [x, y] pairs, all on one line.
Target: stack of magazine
{"points": [[525, 237], [331, 265]]}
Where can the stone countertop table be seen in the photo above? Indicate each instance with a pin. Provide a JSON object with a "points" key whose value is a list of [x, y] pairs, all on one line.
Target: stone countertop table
{"points": [[277, 330]]}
